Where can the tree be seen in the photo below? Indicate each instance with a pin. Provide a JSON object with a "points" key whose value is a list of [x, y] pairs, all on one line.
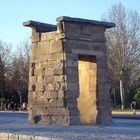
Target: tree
{"points": [[123, 43], [20, 71], [137, 95], [5, 62]]}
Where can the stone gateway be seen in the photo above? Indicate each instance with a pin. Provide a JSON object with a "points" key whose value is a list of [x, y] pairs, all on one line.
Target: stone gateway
{"points": [[68, 77]]}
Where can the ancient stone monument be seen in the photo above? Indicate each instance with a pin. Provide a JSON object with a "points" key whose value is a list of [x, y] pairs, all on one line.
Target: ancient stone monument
{"points": [[68, 77]]}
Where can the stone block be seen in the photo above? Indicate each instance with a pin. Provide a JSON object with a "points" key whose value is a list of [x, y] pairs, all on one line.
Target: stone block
{"points": [[50, 64], [59, 120], [99, 47], [61, 56], [72, 78], [72, 29], [49, 78], [73, 86], [103, 85], [96, 37], [103, 80], [56, 46], [89, 29], [37, 110], [58, 71], [102, 72], [51, 94], [56, 102], [59, 27], [73, 112], [61, 94], [102, 61], [49, 69], [35, 36], [31, 87], [50, 87], [57, 112], [40, 48], [54, 56], [72, 70], [45, 119], [76, 44], [74, 120], [106, 119], [71, 103], [39, 79], [60, 78], [69, 94], [39, 101], [72, 94], [66, 48], [71, 63], [58, 68], [40, 87], [87, 52], [43, 48], [51, 36], [33, 79]]}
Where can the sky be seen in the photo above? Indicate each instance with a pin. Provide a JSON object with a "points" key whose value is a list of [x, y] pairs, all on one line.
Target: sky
{"points": [[14, 12]]}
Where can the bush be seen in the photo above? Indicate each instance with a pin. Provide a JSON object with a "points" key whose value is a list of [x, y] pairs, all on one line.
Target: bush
{"points": [[137, 96]]}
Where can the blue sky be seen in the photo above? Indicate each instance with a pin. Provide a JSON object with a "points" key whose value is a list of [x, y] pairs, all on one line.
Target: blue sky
{"points": [[14, 12]]}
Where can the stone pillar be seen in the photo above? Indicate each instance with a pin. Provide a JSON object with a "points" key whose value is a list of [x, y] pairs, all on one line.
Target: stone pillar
{"points": [[54, 80]]}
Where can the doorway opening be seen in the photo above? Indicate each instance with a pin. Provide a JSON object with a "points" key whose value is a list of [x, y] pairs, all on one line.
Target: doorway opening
{"points": [[87, 68]]}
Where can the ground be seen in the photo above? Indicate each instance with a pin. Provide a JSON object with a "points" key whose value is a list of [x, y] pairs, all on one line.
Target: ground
{"points": [[120, 129]]}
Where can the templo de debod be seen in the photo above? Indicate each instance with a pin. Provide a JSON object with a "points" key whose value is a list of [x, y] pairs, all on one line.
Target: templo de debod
{"points": [[68, 77]]}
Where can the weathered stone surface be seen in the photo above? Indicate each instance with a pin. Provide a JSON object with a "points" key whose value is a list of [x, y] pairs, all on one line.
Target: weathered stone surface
{"points": [[89, 30], [60, 120], [51, 36], [72, 78], [74, 120], [72, 71], [61, 94], [56, 46], [35, 36], [56, 102], [52, 95], [72, 28], [45, 119], [68, 75]]}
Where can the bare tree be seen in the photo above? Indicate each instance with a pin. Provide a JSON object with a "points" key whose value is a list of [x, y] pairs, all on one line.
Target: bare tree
{"points": [[20, 70], [5, 62], [123, 43]]}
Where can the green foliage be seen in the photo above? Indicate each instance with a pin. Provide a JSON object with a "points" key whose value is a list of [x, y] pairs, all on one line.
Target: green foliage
{"points": [[129, 97], [137, 95]]}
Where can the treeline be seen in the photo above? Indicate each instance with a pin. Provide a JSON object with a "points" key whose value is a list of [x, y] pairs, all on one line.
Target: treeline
{"points": [[13, 74], [123, 52], [123, 43]]}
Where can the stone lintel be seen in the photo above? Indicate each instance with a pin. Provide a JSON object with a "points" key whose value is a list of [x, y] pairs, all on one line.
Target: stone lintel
{"points": [[86, 21], [39, 26]]}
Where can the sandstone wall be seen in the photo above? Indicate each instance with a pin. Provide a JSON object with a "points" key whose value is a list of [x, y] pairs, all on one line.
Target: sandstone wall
{"points": [[88, 40], [47, 79], [54, 78]]}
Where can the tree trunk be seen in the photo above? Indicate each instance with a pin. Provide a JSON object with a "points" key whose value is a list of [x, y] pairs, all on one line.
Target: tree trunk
{"points": [[122, 94], [114, 97], [20, 97], [1, 105], [2, 94]]}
